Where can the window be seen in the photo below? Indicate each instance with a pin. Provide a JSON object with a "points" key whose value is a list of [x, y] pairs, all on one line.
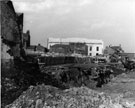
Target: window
{"points": [[90, 48], [90, 54], [96, 54], [97, 48]]}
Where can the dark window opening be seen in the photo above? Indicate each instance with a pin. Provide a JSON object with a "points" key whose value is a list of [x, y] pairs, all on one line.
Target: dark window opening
{"points": [[90, 54], [90, 48], [97, 48], [97, 54]]}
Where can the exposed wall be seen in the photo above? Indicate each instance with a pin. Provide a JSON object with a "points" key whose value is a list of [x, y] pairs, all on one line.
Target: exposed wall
{"points": [[58, 48], [94, 50], [88, 42], [79, 48], [72, 48], [10, 35], [9, 26]]}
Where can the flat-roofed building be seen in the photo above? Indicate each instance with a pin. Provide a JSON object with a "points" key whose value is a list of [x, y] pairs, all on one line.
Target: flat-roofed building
{"points": [[95, 47]]}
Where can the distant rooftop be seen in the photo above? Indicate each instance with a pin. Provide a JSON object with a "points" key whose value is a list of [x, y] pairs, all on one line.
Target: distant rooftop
{"points": [[76, 40]]}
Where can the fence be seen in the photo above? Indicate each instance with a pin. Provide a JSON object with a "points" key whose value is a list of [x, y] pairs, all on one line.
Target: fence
{"points": [[48, 61]]}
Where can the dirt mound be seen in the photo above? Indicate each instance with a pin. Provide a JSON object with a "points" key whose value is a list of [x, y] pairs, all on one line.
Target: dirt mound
{"points": [[42, 96]]}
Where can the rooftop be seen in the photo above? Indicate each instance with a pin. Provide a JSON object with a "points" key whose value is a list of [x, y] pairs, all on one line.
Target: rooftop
{"points": [[77, 40]]}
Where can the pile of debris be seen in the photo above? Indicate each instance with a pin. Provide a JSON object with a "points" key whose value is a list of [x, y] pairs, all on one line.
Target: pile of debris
{"points": [[42, 96], [62, 77], [13, 83], [78, 75]]}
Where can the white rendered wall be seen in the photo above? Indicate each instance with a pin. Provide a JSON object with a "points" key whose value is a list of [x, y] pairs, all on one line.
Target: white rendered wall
{"points": [[94, 49], [89, 42]]}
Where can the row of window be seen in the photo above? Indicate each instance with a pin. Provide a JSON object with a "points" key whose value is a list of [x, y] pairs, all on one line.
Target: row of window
{"points": [[97, 48], [90, 54]]}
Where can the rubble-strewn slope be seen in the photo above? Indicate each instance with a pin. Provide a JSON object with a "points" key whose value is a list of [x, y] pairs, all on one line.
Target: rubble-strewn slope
{"points": [[43, 96]]}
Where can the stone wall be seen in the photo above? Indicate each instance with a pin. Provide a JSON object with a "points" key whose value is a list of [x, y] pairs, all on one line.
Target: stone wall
{"points": [[10, 36], [9, 26]]}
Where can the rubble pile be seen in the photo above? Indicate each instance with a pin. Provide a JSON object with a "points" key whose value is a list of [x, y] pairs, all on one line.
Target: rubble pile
{"points": [[61, 76], [13, 83], [129, 65], [42, 96], [78, 75]]}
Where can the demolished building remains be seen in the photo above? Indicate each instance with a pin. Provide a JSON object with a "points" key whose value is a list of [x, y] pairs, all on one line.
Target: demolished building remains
{"points": [[95, 47]]}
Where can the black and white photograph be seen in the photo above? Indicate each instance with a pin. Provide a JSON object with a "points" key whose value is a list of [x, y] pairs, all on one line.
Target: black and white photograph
{"points": [[67, 53]]}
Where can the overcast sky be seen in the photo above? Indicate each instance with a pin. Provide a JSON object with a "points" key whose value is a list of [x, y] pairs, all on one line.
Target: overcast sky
{"points": [[113, 21]]}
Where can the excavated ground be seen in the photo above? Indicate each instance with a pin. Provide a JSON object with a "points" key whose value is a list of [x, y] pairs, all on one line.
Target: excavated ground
{"points": [[70, 78]]}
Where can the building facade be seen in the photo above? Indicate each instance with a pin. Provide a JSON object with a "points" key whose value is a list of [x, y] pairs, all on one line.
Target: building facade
{"points": [[70, 49], [59, 48], [94, 47], [11, 35]]}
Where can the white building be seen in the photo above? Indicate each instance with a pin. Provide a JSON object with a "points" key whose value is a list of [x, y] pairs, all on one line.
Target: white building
{"points": [[95, 47]]}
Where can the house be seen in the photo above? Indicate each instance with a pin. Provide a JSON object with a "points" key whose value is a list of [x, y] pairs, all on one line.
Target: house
{"points": [[36, 50], [114, 53], [110, 50], [94, 47]]}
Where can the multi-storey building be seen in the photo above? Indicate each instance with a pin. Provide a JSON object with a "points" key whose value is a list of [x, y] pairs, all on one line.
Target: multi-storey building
{"points": [[94, 47]]}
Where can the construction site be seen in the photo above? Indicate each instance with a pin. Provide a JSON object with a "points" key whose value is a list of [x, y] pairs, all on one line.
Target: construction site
{"points": [[77, 75], [69, 73]]}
